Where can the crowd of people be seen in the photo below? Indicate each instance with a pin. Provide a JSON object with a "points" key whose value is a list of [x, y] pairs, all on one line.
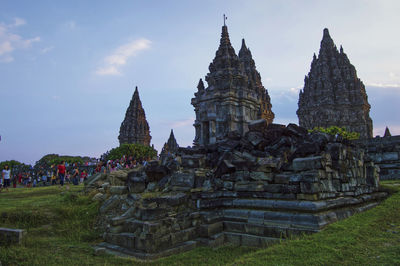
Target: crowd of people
{"points": [[63, 173], [41, 177]]}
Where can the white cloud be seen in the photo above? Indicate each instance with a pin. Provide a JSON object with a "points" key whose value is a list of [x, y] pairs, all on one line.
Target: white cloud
{"points": [[121, 55], [108, 70], [182, 123], [19, 22], [46, 49], [10, 41], [384, 85], [70, 24]]}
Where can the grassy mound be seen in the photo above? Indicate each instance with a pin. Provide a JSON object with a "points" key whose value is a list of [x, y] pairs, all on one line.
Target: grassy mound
{"points": [[60, 232]]}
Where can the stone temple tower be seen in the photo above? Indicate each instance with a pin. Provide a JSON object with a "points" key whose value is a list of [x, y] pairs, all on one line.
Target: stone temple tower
{"points": [[134, 128], [333, 95], [234, 95]]}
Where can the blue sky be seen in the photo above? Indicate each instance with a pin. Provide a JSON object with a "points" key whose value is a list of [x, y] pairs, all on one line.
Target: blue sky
{"points": [[68, 69]]}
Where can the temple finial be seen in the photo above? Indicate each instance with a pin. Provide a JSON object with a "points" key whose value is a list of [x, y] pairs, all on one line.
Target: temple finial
{"points": [[225, 18]]}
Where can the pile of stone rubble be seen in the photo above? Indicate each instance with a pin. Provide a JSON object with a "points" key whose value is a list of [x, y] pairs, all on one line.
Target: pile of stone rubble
{"points": [[274, 182]]}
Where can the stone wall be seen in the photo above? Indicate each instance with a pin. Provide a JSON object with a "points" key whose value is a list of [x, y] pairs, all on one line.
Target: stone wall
{"points": [[385, 153], [274, 182]]}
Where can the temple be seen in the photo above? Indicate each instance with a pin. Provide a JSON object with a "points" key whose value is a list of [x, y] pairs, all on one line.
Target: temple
{"points": [[234, 95], [333, 95], [134, 128], [171, 146]]}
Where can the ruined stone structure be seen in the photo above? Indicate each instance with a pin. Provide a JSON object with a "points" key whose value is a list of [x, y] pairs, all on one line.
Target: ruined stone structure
{"points": [[234, 95], [252, 190], [385, 153], [171, 146], [134, 128], [333, 95]]}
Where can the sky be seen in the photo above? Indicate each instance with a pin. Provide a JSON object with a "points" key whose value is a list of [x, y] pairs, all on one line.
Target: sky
{"points": [[68, 69]]}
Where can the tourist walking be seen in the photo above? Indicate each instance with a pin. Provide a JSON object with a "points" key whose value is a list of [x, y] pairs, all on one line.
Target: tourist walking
{"points": [[6, 174], [61, 173]]}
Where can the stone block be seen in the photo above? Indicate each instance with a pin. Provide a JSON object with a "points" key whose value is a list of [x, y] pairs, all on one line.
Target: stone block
{"points": [[234, 239], [224, 167], [249, 186], [261, 176], [250, 241], [307, 196], [207, 230], [11, 236], [119, 190], [182, 180], [112, 202], [282, 178], [256, 217], [309, 188], [258, 125], [99, 197], [307, 163], [390, 156]]}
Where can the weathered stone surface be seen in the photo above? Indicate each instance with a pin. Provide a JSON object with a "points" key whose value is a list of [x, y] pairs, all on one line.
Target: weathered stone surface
{"points": [[112, 202], [155, 172], [99, 197], [308, 163], [134, 128], [333, 95], [119, 190], [185, 180], [258, 125]]}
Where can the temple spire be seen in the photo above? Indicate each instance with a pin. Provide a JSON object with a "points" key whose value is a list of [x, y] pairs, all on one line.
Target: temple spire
{"points": [[333, 95], [171, 146], [134, 128], [387, 133]]}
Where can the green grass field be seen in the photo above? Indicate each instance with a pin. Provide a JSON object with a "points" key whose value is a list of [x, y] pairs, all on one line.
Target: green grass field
{"points": [[60, 232]]}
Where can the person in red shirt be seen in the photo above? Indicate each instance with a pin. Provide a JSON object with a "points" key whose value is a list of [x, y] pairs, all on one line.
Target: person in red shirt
{"points": [[61, 172]]}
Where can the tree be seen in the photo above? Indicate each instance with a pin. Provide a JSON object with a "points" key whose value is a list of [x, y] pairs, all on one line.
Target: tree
{"points": [[137, 151]]}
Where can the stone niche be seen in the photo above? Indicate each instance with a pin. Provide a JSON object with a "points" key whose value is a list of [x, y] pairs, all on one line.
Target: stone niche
{"points": [[252, 190]]}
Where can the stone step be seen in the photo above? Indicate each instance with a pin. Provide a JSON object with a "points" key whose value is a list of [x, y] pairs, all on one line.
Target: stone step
{"points": [[118, 250], [151, 242], [273, 230], [286, 205], [241, 239]]}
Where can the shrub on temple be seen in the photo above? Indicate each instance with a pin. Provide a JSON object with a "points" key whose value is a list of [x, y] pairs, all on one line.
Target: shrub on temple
{"points": [[334, 130]]}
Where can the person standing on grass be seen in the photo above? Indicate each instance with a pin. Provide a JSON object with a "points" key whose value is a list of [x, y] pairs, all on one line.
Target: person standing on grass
{"points": [[14, 181], [6, 177], [75, 175], [61, 173]]}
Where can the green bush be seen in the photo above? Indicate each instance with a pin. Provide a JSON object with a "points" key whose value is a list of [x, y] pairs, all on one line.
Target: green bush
{"points": [[135, 150], [334, 130], [54, 159], [11, 164]]}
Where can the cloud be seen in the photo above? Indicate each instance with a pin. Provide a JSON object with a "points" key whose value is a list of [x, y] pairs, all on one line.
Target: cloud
{"points": [[70, 24], [10, 41], [384, 85], [46, 49], [182, 123], [19, 22], [113, 62]]}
